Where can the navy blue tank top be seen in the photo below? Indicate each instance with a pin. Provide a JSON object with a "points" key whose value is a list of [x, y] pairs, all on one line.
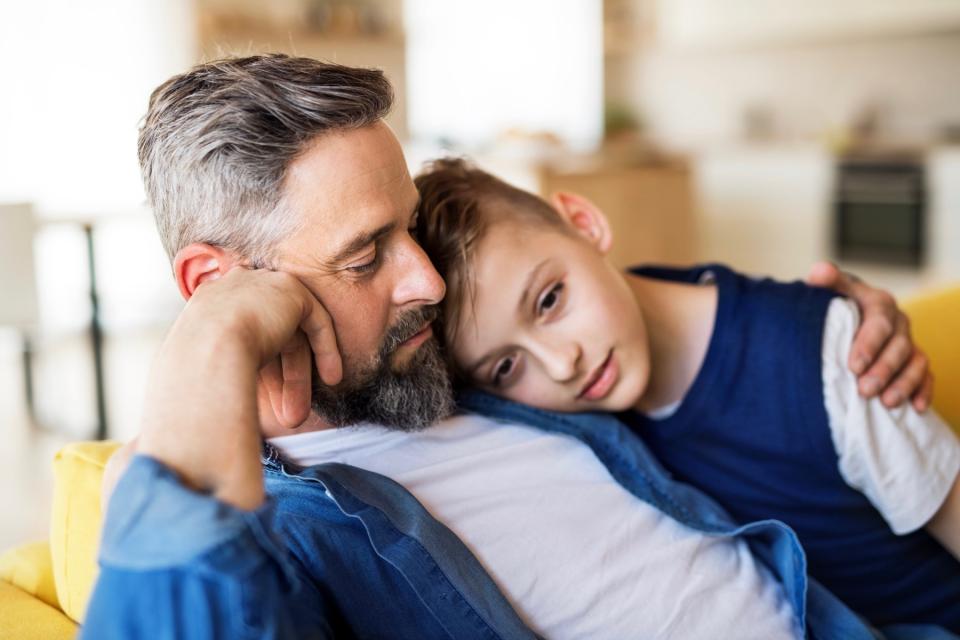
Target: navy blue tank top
{"points": [[753, 433]]}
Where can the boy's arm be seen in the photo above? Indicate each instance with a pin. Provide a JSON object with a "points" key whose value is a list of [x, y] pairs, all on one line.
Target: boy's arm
{"points": [[945, 525], [905, 462], [884, 358]]}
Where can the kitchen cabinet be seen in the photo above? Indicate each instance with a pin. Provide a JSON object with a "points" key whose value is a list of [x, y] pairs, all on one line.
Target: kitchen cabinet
{"points": [[691, 24], [764, 208], [649, 207]]}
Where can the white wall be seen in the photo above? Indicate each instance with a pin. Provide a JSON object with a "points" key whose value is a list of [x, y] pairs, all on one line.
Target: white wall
{"points": [[76, 80], [475, 69], [77, 76], [812, 91]]}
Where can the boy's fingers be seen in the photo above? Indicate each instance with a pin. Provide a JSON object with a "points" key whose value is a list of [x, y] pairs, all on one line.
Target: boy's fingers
{"points": [[907, 382], [295, 364]]}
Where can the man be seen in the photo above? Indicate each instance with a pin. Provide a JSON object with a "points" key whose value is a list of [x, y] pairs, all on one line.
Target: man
{"points": [[286, 207]]}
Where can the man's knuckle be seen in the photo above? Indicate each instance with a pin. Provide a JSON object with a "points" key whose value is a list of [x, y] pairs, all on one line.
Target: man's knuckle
{"points": [[882, 371], [886, 299]]}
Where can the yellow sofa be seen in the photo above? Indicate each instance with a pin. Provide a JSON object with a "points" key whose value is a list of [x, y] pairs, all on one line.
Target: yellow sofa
{"points": [[44, 587]]}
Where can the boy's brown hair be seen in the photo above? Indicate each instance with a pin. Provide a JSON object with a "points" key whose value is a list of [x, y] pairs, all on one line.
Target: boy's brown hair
{"points": [[458, 203]]}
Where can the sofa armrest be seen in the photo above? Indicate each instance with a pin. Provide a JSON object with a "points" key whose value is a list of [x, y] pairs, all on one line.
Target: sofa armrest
{"points": [[25, 617], [30, 568]]}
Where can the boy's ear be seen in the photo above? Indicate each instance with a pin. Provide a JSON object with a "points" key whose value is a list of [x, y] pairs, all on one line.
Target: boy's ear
{"points": [[585, 217], [198, 262]]}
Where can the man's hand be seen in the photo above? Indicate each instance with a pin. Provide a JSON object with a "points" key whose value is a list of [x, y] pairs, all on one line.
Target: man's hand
{"points": [[883, 355], [200, 415]]}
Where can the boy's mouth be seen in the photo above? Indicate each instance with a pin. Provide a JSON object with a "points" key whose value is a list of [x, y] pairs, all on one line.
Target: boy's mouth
{"points": [[601, 380]]}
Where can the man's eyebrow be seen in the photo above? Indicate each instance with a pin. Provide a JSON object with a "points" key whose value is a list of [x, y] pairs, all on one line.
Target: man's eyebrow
{"points": [[362, 241]]}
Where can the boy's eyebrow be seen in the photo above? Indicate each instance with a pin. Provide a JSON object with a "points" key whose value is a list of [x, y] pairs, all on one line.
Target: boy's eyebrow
{"points": [[479, 363], [531, 278]]}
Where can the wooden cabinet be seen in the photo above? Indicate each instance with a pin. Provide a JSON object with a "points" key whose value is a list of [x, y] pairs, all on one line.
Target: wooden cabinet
{"points": [[649, 208], [225, 28]]}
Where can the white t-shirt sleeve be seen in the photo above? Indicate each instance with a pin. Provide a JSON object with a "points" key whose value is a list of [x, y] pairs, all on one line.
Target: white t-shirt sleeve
{"points": [[903, 461]]}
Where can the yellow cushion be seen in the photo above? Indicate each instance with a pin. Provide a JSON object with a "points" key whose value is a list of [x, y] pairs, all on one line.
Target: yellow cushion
{"points": [[30, 568], [26, 618], [935, 319], [75, 524]]}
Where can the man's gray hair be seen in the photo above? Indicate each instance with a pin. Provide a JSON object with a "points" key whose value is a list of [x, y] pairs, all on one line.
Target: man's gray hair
{"points": [[216, 142]]}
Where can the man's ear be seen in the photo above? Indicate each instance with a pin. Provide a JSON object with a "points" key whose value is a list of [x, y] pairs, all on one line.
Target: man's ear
{"points": [[198, 262], [585, 217]]}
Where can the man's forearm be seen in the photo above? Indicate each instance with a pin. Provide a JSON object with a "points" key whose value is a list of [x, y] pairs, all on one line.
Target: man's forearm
{"points": [[179, 564], [200, 416]]}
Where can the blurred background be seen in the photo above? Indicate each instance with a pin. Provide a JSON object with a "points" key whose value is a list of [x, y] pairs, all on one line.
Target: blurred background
{"points": [[763, 134]]}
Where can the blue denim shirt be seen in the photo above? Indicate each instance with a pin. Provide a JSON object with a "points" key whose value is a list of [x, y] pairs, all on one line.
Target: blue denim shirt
{"points": [[338, 551]]}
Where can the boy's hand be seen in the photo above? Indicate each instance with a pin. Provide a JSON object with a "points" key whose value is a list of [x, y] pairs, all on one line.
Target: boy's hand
{"points": [[883, 355]]}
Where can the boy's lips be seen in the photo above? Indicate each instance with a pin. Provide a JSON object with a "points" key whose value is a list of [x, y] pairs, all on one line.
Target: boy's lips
{"points": [[601, 379]]}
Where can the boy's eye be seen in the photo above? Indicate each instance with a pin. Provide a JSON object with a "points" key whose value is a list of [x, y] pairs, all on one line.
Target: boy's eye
{"points": [[503, 370], [551, 298]]}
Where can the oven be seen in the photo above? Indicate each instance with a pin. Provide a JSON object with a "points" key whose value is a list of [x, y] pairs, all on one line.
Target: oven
{"points": [[880, 210]]}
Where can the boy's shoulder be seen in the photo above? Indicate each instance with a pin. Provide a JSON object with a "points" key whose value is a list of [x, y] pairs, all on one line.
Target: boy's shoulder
{"points": [[763, 297]]}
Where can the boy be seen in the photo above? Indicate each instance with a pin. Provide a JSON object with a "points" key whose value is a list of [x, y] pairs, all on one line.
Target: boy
{"points": [[739, 386]]}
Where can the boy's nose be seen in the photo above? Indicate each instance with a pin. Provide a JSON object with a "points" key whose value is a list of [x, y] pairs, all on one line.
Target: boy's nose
{"points": [[560, 359]]}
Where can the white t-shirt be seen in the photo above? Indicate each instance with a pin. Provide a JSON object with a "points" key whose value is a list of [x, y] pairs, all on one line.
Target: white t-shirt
{"points": [[574, 552], [903, 461]]}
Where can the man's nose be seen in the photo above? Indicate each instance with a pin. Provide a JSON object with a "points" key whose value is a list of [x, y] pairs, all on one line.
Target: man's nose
{"points": [[418, 281], [560, 357]]}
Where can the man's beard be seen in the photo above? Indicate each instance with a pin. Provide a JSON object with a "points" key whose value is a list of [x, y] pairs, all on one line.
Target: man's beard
{"points": [[410, 399]]}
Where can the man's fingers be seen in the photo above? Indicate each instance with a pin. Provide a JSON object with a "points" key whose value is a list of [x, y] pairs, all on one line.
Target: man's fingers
{"points": [[295, 363], [871, 339], [924, 396], [271, 376], [907, 382], [318, 327], [826, 274], [896, 353]]}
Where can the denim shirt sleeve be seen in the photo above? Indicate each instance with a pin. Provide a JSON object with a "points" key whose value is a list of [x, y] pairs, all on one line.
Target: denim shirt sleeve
{"points": [[175, 563]]}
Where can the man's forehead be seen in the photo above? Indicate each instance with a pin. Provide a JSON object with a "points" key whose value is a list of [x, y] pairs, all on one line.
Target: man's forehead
{"points": [[348, 164], [346, 183]]}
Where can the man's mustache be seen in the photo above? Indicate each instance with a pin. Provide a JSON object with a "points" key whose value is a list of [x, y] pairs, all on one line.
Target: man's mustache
{"points": [[409, 324]]}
